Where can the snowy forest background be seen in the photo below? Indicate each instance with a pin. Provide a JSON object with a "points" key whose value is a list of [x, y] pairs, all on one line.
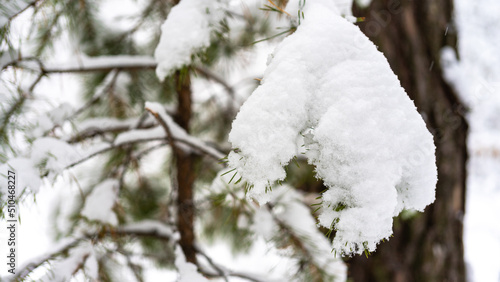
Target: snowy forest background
{"points": [[84, 116]]}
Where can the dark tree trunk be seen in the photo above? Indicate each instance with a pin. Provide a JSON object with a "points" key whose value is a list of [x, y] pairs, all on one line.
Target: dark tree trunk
{"points": [[185, 162], [427, 247]]}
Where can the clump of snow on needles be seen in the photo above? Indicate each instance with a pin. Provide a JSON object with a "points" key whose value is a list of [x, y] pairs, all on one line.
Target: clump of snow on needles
{"points": [[99, 204], [330, 94], [80, 256], [186, 31]]}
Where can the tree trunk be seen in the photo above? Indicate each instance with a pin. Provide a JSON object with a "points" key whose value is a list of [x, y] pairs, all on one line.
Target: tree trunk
{"points": [[428, 246], [185, 162]]}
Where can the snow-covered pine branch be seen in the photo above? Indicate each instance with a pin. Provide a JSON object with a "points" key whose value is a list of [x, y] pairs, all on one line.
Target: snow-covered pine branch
{"points": [[287, 222], [330, 94], [81, 247], [49, 156]]}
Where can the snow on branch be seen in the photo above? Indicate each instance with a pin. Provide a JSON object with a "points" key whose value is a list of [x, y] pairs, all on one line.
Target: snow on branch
{"points": [[102, 63], [177, 133], [329, 94], [146, 228], [99, 203], [49, 156], [221, 271], [25, 269], [186, 31]]}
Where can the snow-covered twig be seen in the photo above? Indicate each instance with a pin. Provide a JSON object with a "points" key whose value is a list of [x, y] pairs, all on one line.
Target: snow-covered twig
{"points": [[108, 148], [176, 133], [103, 63], [96, 131], [221, 271], [153, 229], [109, 63], [165, 126], [34, 263]]}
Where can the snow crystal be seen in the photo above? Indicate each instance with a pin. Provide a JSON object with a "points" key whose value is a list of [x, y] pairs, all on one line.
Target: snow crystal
{"points": [[99, 204], [186, 31], [329, 88], [187, 271]]}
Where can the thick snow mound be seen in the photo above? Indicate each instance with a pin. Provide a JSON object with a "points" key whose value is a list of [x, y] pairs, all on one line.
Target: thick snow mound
{"points": [[330, 94]]}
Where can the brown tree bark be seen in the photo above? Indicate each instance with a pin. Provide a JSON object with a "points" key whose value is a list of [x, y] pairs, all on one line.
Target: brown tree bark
{"points": [[185, 162], [427, 247]]}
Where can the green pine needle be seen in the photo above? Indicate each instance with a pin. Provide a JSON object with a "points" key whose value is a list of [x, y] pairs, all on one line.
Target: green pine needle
{"points": [[228, 172], [239, 180], [232, 177]]}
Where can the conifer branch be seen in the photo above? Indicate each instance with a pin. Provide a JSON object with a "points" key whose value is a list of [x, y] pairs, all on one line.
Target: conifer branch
{"points": [[29, 5], [165, 126], [221, 271], [33, 264], [117, 63], [28, 267]]}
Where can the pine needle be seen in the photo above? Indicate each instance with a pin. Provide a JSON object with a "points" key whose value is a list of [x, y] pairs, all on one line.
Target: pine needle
{"points": [[228, 172], [277, 7]]}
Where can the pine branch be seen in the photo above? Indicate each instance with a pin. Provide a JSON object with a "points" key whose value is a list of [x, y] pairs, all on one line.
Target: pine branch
{"points": [[182, 136], [221, 271], [188, 140], [295, 240], [29, 5], [110, 63], [33, 264], [165, 126]]}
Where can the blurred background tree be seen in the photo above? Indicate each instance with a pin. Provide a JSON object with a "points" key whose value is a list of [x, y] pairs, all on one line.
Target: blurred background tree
{"points": [[428, 246]]}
